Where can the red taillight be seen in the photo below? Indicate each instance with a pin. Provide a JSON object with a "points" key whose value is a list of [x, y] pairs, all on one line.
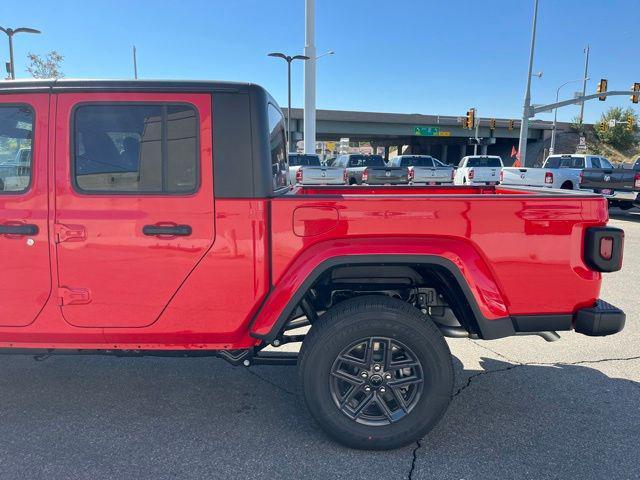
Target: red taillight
{"points": [[365, 175], [411, 174], [345, 177], [637, 181], [581, 176], [606, 248], [501, 176], [299, 175], [548, 178], [471, 174], [453, 174]]}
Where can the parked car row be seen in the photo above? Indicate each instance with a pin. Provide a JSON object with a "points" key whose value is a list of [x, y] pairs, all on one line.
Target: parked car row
{"points": [[359, 169]]}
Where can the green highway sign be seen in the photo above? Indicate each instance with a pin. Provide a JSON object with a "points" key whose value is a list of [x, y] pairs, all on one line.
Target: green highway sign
{"points": [[430, 132]]}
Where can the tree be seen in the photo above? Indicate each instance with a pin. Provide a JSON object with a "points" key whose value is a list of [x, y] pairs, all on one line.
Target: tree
{"points": [[47, 66], [620, 136]]}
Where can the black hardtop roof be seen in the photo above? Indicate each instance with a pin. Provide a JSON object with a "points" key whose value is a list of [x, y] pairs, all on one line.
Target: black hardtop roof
{"points": [[124, 85]]}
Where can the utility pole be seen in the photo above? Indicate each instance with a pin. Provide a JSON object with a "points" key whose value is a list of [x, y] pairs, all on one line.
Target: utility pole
{"points": [[477, 125], [135, 64], [552, 148], [310, 78], [584, 83], [526, 109]]}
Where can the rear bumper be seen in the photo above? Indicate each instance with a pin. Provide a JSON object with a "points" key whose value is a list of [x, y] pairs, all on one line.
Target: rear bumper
{"points": [[623, 196], [600, 320]]}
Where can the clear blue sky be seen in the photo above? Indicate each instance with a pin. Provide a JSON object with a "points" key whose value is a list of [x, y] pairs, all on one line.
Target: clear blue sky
{"points": [[436, 57]]}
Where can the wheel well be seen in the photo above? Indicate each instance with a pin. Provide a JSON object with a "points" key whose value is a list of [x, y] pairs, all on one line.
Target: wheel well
{"points": [[567, 185], [433, 289]]}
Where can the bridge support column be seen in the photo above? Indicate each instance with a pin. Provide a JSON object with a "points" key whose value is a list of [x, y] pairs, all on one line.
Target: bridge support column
{"points": [[463, 150], [386, 153], [399, 149], [445, 150], [483, 149]]}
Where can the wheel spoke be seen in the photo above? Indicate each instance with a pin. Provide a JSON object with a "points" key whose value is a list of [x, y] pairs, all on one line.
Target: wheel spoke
{"points": [[356, 362], [366, 402], [347, 377], [403, 382], [399, 399], [381, 402]]}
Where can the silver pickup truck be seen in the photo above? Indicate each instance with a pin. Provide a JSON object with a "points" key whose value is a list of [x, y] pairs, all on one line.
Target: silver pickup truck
{"points": [[306, 169], [371, 170], [424, 169]]}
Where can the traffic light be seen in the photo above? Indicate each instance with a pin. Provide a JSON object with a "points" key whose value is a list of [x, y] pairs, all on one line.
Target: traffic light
{"points": [[630, 119], [511, 125], [492, 124], [471, 119], [603, 126], [602, 88], [636, 88]]}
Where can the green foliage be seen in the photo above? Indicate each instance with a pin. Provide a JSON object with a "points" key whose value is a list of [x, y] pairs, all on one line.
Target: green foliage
{"points": [[47, 66], [577, 125], [620, 136]]}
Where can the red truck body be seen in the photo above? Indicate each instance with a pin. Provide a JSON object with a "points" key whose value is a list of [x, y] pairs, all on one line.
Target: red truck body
{"points": [[92, 280], [157, 218]]}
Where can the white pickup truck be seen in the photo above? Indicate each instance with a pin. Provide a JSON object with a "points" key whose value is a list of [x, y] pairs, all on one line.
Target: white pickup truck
{"points": [[558, 171], [478, 170]]}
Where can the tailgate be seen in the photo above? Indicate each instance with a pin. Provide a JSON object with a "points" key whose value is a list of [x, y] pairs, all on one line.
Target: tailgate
{"points": [[486, 174], [382, 175], [598, 179], [523, 176], [322, 175], [431, 174]]}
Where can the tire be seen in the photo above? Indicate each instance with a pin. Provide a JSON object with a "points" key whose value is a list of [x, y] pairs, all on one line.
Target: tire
{"points": [[388, 325], [625, 205], [567, 186]]}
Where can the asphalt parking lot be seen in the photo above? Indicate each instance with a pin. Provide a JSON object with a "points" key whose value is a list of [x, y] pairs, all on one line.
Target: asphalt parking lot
{"points": [[523, 408]]}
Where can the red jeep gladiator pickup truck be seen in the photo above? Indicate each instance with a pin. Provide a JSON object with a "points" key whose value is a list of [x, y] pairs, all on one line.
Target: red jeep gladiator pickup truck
{"points": [[156, 217]]}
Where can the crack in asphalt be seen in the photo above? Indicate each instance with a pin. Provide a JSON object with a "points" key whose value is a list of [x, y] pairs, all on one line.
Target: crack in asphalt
{"points": [[266, 380], [415, 459], [514, 364]]}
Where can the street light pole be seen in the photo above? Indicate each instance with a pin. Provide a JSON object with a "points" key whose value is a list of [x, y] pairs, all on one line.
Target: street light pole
{"points": [[135, 63], [584, 83], [526, 109], [10, 33], [310, 78], [552, 148], [288, 59]]}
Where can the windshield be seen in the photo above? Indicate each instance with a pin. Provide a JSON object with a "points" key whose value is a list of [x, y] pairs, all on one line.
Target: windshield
{"points": [[366, 161], [564, 162], [304, 160], [416, 162], [484, 162]]}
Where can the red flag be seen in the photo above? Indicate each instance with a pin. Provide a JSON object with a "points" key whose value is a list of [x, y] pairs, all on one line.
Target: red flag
{"points": [[514, 152]]}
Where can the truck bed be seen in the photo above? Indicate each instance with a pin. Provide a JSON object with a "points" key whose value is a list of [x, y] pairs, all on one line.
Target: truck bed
{"points": [[519, 238]]}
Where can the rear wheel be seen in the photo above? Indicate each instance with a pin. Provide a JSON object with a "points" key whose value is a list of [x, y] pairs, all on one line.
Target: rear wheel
{"points": [[567, 186], [376, 373]]}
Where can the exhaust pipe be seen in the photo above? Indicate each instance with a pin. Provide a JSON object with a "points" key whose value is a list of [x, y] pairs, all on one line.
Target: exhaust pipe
{"points": [[460, 332]]}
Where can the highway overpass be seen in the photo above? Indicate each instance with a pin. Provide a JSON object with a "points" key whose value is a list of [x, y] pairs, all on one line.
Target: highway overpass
{"points": [[437, 135]]}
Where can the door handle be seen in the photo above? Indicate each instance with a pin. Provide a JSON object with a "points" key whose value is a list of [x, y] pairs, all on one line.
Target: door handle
{"points": [[167, 230], [23, 229]]}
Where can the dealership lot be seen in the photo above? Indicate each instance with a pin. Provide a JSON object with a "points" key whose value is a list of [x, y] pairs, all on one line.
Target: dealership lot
{"points": [[523, 408]]}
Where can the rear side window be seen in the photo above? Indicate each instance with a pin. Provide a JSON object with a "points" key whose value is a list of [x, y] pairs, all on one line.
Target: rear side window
{"points": [[304, 161], [16, 141], [595, 162], [278, 145], [142, 148], [480, 162], [416, 162]]}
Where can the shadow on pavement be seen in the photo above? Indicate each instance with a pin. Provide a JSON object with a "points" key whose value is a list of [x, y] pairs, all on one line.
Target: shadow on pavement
{"points": [[632, 215], [562, 421], [92, 417]]}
